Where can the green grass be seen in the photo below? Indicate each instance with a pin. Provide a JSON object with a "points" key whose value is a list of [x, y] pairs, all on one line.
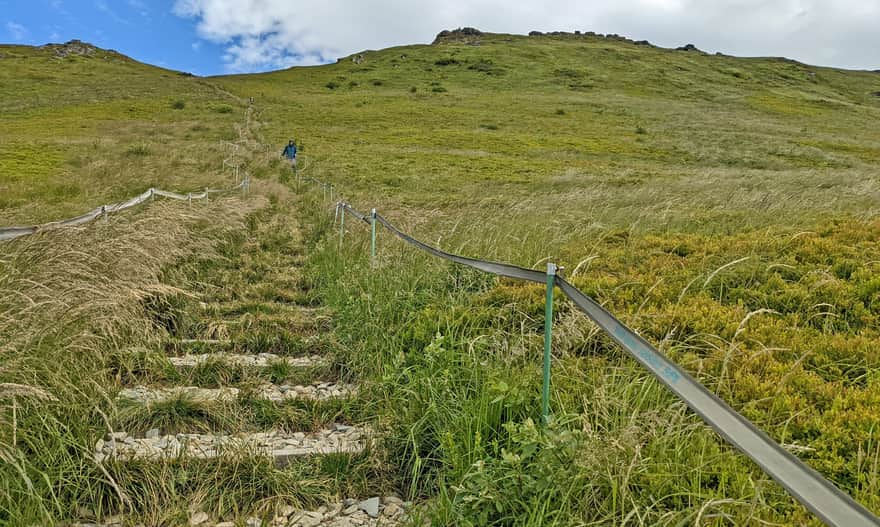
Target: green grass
{"points": [[724, 208], [82, 131], [645, 172], [243, 414]]}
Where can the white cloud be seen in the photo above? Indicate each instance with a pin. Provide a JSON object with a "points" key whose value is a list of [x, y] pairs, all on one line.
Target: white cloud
{"points": [[17, 31], [140, 6], [102, 6], [260, 34]]}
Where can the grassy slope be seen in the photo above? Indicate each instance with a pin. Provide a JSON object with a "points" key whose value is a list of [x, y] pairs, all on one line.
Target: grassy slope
{"points": [[649, 168], [644, 171], [75, 304], [757, 125], [83, 130]]}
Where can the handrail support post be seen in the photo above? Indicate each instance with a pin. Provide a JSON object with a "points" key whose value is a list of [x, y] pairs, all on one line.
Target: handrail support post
{"points": [[548, 340], [373, 235], [341, 222]]}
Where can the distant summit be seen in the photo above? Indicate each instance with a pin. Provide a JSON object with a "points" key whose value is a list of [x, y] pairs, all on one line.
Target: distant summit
{"points": [[467, 35], [72, 47], [78, 48], [472, 36]]}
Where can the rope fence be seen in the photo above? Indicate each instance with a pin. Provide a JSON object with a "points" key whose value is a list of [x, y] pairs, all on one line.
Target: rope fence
{"points": [[10, 233], [241, 177], [833, 506]]}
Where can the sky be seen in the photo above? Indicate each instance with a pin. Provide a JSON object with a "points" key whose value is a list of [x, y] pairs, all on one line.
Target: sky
{"points": [[208, 37]]}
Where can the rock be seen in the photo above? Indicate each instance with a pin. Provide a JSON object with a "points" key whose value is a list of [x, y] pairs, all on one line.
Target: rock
{"points": [[286, 510], [342, 428], [198, 518], [73, 47], [253, 522], [370, 506], [392, 499], [311, 519], [152, 433], [689, 47], [351, 509], [392, 510], [225, 524], [462, 33]]}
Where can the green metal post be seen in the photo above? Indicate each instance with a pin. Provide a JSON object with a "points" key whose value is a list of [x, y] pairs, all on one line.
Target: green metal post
{"points": [[373, 234], [548, 339], [341, 222]]}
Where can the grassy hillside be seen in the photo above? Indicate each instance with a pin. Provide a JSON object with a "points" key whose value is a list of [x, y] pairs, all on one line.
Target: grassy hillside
{"points": [[83, 126], [546, 116], [726, 208]]}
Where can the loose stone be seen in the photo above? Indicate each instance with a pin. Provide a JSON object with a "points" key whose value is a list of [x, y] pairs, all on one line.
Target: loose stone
{"points": [[198, 518], [370, 506]]}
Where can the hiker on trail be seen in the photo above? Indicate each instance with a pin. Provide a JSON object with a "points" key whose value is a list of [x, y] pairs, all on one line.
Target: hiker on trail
{"points": [[290, 153]]}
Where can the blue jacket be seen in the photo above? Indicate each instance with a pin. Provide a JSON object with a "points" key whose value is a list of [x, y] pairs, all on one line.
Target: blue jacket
{"points": [[289, 152]]}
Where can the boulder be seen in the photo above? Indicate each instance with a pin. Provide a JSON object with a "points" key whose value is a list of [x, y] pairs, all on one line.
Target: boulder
{"points": [[687, 47]]}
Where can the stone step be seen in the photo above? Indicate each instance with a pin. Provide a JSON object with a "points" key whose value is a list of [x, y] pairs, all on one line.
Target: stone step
{"points": [[271, 311], [388, 511], [289, 344], [272, 392], [260, 360], [282, 446]]}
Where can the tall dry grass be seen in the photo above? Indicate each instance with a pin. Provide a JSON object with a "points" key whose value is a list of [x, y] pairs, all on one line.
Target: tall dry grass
{"points": [[72, 301]]}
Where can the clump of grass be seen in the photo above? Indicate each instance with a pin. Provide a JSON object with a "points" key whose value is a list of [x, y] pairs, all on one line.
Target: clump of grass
{"points": [[222, 108], [489, 126], [331, 85], [487, 66], [178, 105], [176, 414], [138, 150]]}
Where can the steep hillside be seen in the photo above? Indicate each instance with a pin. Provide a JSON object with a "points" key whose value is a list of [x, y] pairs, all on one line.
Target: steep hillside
{"points": [[726, 208], [83, 126], [543, 114], [245, 360]]}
